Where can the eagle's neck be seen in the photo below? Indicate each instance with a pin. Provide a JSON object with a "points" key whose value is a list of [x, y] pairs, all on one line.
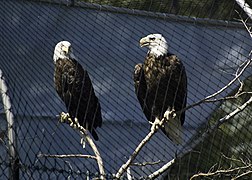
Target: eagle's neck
{"points": [[58, 56], [158, 51]]}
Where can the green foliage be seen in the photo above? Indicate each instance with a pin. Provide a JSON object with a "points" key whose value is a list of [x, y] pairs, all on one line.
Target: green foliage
{"points": [[224, 148], [213, 9]]}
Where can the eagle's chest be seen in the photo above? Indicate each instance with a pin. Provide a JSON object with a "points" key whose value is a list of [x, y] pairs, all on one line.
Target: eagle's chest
{"points": [[156, 71]]}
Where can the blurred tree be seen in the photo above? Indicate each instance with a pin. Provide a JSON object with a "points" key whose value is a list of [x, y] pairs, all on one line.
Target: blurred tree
{"points": [[228, 147], [213, 9]]}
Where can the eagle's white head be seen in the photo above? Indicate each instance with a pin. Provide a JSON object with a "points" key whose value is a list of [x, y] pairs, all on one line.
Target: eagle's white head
{"points": [[156, 43], [63, 50]]}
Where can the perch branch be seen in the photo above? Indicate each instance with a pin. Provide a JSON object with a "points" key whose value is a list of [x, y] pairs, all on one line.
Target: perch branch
{"points": [[155, 126], [200, 139], [75, 124]]}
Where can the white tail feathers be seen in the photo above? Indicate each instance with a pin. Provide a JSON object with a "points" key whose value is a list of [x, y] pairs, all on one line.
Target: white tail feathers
{"points": [[173, 130]]}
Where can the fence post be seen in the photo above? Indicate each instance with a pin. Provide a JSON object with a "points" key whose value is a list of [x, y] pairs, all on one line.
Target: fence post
{"points": [[13, 158]]}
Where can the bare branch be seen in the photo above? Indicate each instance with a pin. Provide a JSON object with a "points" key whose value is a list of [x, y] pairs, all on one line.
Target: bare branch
{"points": [[240, 169], [222, 171], [242, 175], [161, 170], [193, 144], [245, 25], [238, 73], [66, 156], [75, 124], [145, 163], [155, 126], [245, 7], [238, 94], [232, 159], [209, 98]]}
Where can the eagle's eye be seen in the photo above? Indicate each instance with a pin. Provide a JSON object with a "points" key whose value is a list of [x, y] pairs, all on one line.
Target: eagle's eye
{"points": [[152, 38]]}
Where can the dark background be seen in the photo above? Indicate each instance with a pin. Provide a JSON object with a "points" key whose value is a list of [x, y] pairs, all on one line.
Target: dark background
{"points": [[106, 43]]}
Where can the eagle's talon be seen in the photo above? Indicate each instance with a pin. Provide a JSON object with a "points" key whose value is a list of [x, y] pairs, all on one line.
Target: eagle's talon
{"points": [[63, 117], [76, 121], [155, 125], [170, 114], [83, 142]]}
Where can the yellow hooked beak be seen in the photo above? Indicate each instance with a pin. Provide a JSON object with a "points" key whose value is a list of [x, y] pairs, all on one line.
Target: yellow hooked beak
{"points": [[144, 42], [65, 48]]}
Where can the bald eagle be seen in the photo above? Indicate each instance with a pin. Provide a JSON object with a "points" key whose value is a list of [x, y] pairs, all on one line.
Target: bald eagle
{"points": [[161, 85], [74, 87]]}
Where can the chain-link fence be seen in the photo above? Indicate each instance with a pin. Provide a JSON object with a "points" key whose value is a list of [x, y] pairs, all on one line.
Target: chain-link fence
{"points": [[105, 39]]}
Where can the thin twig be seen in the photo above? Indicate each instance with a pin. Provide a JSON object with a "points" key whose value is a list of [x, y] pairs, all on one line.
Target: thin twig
{"points": [[209, 98], [222, 171], [145, 163], [242, 175], [232, 159], [228, 97], [66, 156]]}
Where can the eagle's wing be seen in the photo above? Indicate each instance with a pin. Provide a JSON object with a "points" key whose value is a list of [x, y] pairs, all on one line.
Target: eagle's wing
{"points": [[66, 80], [141, 89], [179, 75], [183, 92], [173, 128]]}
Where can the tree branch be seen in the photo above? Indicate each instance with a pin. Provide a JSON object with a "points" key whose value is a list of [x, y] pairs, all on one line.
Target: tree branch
{"points": [[155, 126], [145, 163], [209, 99], [245, 7], [66, 156], [242, 175], [75, 124], [246, 167], [222, 171], [201, 138]]}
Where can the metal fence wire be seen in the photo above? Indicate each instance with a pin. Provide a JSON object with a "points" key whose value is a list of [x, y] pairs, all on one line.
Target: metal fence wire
{"points": [[207, 36]]}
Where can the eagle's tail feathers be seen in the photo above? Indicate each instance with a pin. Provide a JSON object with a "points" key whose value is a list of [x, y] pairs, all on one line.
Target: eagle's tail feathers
{"points": [[173, 130]]}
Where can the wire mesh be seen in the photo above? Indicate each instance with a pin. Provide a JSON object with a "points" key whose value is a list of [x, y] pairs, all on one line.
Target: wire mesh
{"points": [[105, 39]]}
